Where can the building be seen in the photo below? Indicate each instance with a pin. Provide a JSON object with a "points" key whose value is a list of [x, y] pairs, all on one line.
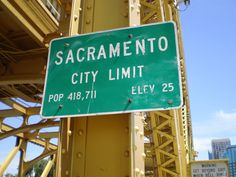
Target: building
{"points": [[210, 155], [230, 154], [218, 147]]}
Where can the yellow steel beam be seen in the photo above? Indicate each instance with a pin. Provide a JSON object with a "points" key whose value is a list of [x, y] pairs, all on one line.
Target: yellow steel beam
{"points": [[63, 167], [35, 20], [17, 93], [24, 165], [136, 119], [115, 141], [9, 158], [137, 144], [48, 135], [10, 113], [47, 19], [75, 18], [14, 113], [28, 128], [29, 164], [40, 142], [22, 79], [14, 105], [32, 111], [19, 109], [23, 21], [48, 166], [169, 128]]}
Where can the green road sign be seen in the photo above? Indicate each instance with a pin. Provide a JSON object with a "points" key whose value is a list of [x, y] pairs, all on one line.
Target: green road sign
{"points": [[117, 71]]}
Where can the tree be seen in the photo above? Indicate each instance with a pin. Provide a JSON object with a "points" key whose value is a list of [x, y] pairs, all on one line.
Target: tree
{"points": [[10, 175], [38, 169]]}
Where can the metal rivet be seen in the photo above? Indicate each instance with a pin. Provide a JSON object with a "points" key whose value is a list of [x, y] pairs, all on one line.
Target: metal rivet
{"points": [[141, 134], [79, 155], [60, 106], [89, 6], [80, 132], [126, 153], [75, 17], [127, 129], [69, 132], [67, 172], [143, 155], [125, 14], [88, 21]]}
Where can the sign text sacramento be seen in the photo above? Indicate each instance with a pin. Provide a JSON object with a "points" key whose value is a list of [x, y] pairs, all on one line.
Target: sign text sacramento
{"points": [[124, 70]]}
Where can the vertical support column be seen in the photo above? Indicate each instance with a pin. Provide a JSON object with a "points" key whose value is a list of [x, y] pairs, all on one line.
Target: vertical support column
{"points": [[63, 168], [21, 172], [10, 156], [79, 139], [137, 145], [109, 146], [136, 119], [88, 17], [181, 167], [134, 12]]}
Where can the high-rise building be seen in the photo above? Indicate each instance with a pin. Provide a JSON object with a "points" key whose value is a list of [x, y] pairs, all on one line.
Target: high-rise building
{"points": [[230, 154], [218, 147], [210, 155]]}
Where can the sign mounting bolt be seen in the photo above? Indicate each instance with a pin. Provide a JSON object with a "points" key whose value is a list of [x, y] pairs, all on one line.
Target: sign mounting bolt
{"points": [[170, 101], [130, 35]]}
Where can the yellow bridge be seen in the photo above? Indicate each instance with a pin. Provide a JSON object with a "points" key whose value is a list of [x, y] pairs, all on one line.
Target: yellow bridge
{"points": [[151, 144]]}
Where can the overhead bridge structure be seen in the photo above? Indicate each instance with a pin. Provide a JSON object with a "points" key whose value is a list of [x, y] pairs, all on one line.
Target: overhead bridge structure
{"points": [[151, 144]]}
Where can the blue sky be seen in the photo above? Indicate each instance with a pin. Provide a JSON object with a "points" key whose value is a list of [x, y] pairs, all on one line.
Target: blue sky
{"points": [[208, 29], [209, 38]]}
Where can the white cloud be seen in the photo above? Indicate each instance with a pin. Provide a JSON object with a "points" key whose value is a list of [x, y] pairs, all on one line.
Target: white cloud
{"points": [[221, 124], [221, 115], [202, 144]]}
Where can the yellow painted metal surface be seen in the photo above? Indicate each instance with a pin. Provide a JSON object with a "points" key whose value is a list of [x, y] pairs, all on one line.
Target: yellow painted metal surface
{"points": [[102, 145], [104, 14], [106, 151]]}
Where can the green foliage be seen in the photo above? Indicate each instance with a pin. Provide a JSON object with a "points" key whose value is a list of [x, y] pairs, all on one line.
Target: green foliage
{"points": [[38, 169], [10, 175]]}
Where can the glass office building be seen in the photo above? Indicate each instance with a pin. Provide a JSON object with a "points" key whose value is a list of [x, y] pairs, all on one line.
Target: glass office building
{"points": [[218, 147], [230, 154]]}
